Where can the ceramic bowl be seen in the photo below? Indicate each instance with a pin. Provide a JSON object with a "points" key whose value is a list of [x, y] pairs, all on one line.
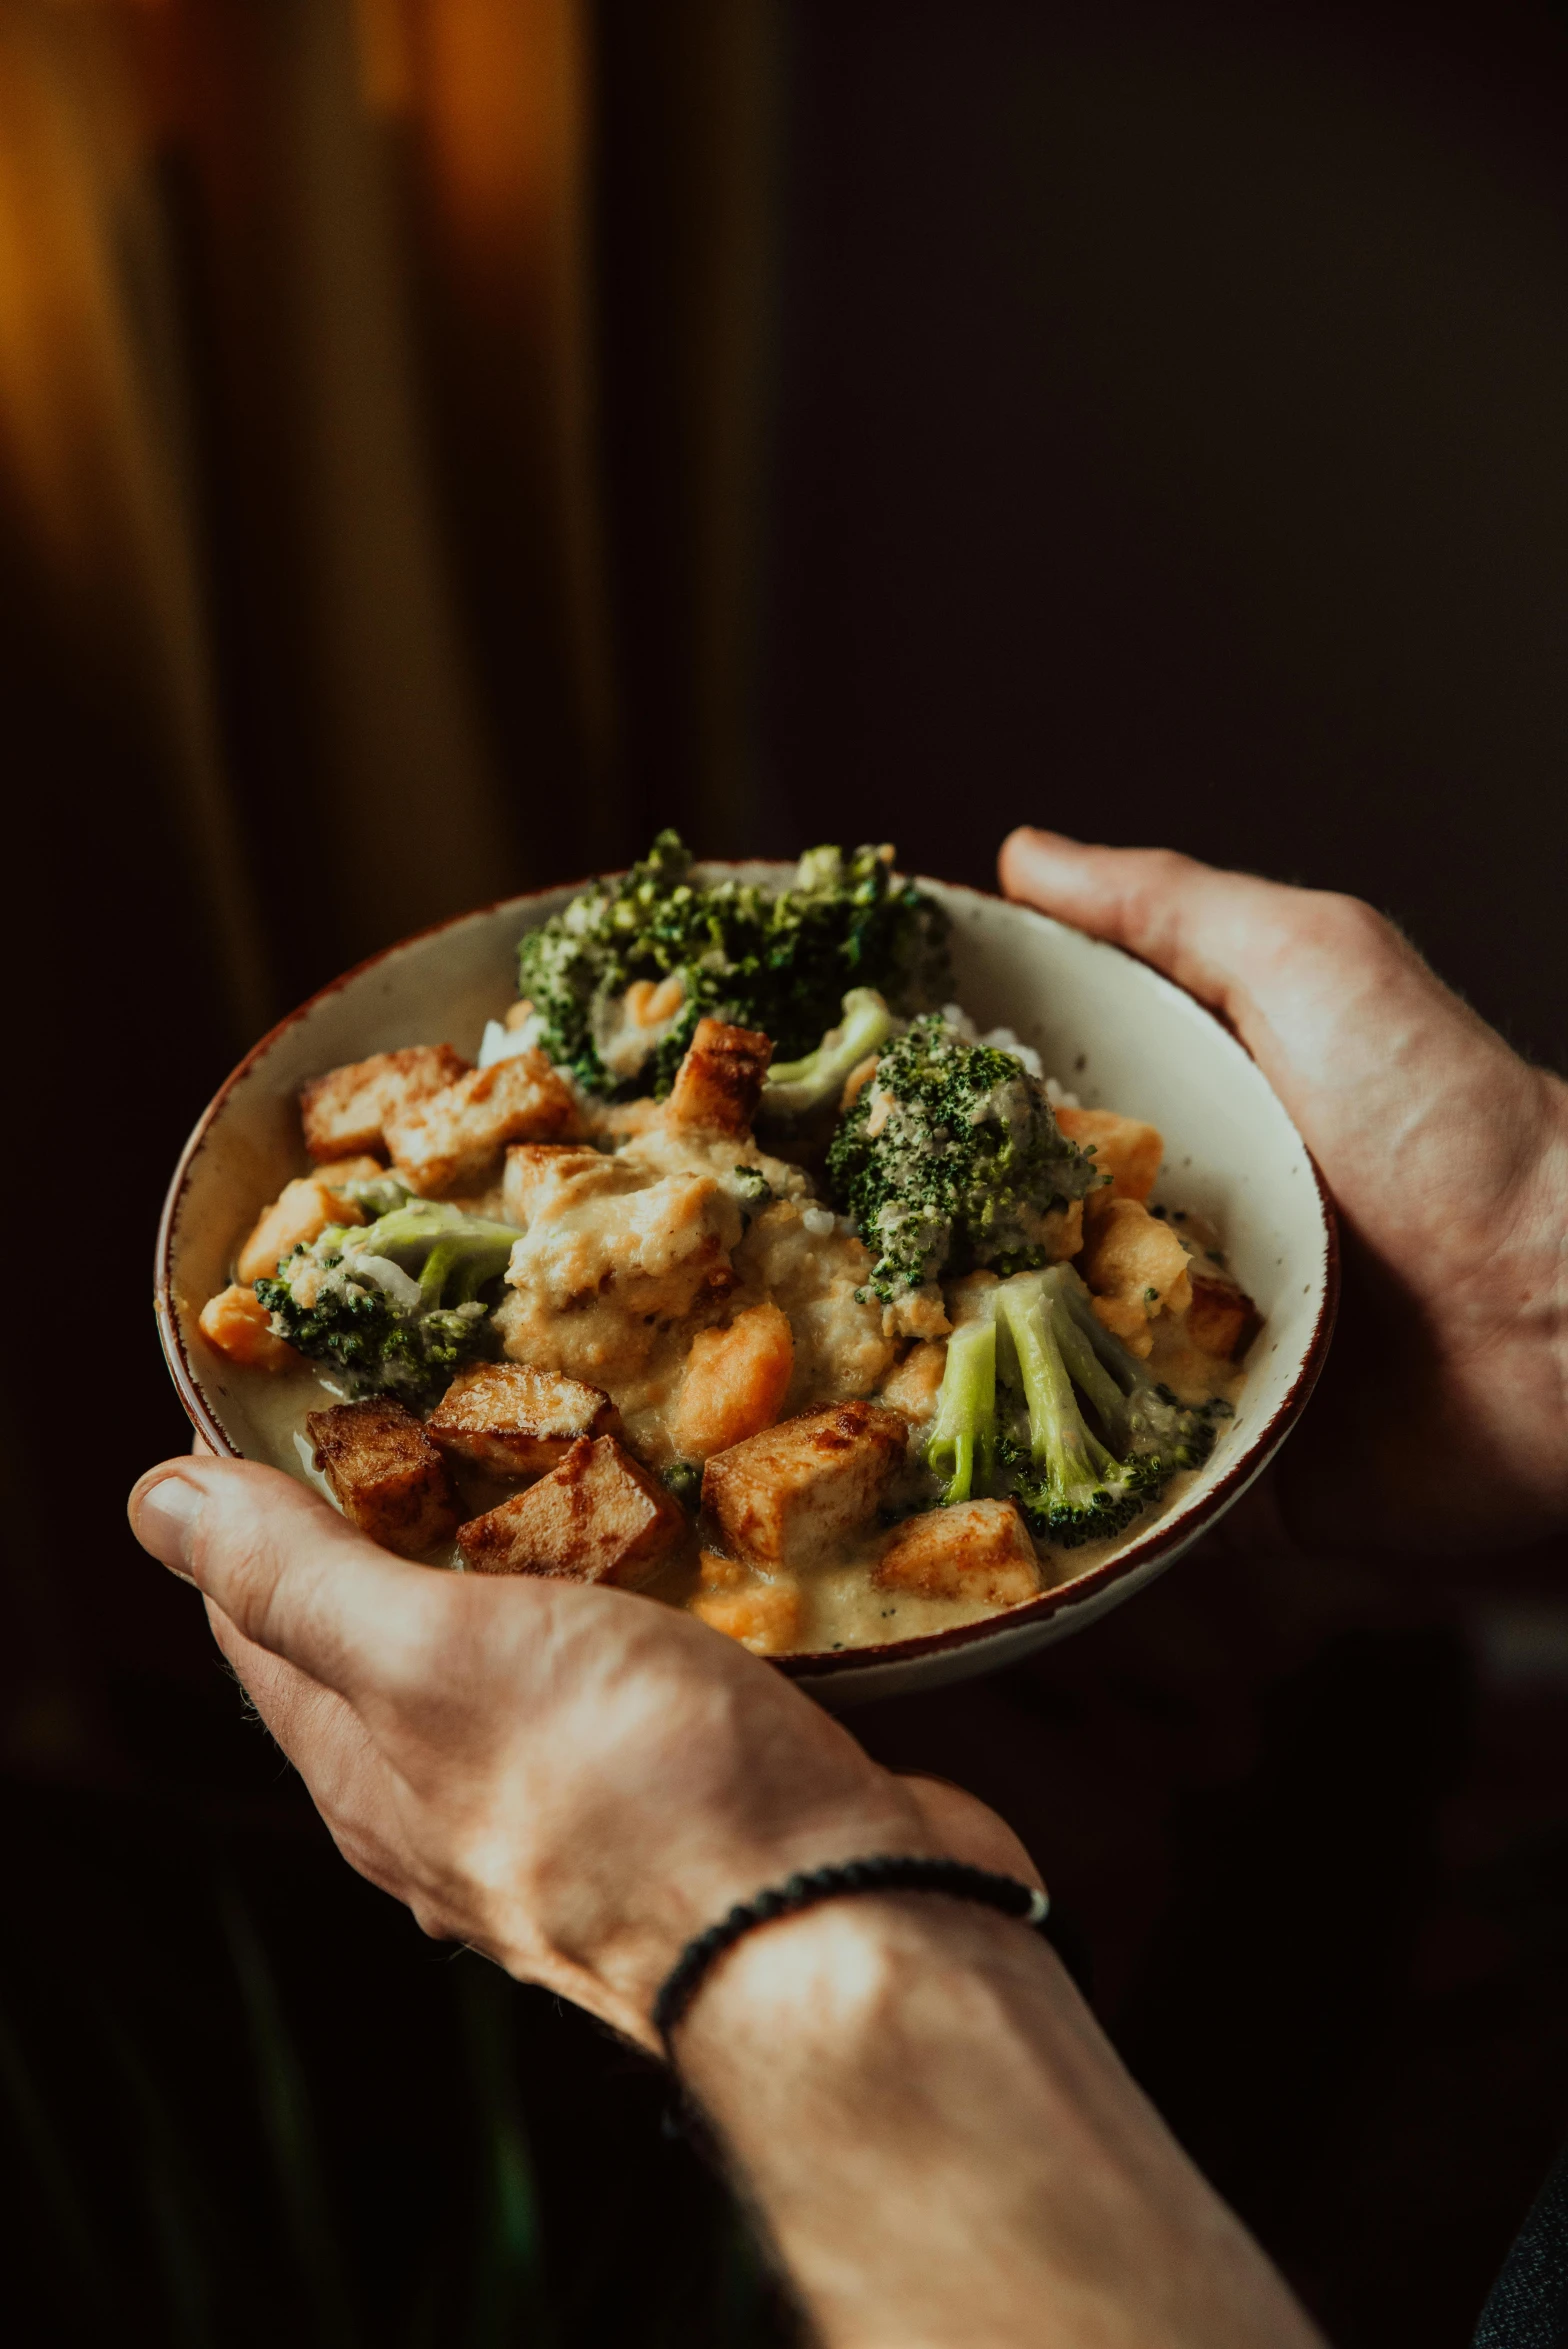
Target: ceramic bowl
{"points": [[1113, 1031]]}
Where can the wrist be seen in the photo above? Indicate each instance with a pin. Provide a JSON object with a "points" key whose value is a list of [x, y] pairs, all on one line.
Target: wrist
{"points": [[632, 1935]]}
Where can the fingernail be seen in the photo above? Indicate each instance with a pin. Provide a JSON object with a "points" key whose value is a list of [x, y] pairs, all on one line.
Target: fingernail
{"points": [[164, 1518]]}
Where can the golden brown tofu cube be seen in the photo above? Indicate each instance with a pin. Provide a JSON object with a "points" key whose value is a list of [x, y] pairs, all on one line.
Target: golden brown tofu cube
{"points": [[346, 1111], [763, 1616], [719, 1083], [300, 1211], [1124, 1148], [239, 1325], [735, 1383], [789, 1492], [452, 1140], [535, 1170], [387, 1474], [598, 1517], [1135, 1266], [973, 1550], [520, 1422], [1221, 1320], [916, 1383]]}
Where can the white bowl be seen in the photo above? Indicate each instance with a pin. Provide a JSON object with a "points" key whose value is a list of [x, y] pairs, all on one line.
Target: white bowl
{"points": [[1113, 1031]]}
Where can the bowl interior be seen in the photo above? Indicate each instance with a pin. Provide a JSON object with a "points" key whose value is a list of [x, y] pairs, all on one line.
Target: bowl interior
{"points": [[1111, 1030]]}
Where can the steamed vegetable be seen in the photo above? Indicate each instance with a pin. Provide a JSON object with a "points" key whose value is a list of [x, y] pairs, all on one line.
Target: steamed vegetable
{"points": [[397, 1306], [951, 1159], [780, 963], [1041, 1402]]}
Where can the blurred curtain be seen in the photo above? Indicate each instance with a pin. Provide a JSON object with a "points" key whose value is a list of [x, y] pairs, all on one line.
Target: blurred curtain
{"points": [[381, 411], [381, 420]]}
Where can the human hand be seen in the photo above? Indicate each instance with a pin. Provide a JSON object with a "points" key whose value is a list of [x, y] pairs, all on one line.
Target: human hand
{"points": [[1442, 1421], [573, 1780]]}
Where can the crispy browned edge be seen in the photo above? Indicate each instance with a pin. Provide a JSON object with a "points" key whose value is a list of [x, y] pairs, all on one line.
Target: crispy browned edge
{"points": [[821, 1664]]}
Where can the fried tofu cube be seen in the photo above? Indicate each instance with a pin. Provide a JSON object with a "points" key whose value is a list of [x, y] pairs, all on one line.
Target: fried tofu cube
{"points": [[346, 1111], [239, 1325], [521, 1422], [736, 1381], [452, 1140], [386, 1473], [301, 1210], [784, 1494], [719, 1083], [598, 1517], [536, 1170], [763, 1616], [1124, 1148], [973, 1550], [1135, 1267], [1222, 1319], [916, 1383]]}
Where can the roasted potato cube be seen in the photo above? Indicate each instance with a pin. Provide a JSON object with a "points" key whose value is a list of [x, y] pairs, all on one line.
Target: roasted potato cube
{"points": [[521, 1422], [736, 1381], [1135, 1266], [300, 1211], [783, 1494], [598, 1517], [1221, 1320], [916, 1383], [973, 1550], [763, 1616], [1124, 1148], [451, 1140], [387, 1474], [239, 1325], [346, 1111], [719, 1083]]}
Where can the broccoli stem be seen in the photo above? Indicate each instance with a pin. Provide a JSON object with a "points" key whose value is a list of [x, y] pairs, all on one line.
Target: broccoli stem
{"points": [[433, 1274], [1084, 1365], [1076, 1464], [796, 1087], [962, 1441]]}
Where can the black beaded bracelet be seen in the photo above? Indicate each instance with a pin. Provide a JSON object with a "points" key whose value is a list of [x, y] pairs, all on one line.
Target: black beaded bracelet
{"points": [[891, 1872]]}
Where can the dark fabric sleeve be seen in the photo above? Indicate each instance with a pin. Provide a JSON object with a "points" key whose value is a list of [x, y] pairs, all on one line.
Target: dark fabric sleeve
{"points": [[1527, 2307]]}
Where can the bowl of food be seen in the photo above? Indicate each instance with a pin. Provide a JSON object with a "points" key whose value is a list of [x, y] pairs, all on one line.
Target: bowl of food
{"points": [[887, 1274]]}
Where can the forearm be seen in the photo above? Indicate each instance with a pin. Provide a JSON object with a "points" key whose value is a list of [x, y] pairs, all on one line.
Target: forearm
{"points": [[946, 2149]]}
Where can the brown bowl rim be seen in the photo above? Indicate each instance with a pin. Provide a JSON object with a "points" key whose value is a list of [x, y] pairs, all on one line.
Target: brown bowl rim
{"points": [[819, 1664]]}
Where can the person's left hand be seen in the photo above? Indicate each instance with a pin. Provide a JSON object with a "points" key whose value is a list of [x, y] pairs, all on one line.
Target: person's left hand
{"points": [[574, 1780]]}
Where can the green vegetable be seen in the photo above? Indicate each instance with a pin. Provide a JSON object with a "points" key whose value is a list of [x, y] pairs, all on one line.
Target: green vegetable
{"points": [[780, 963], [1057, 1413], [961, 1447], [397, 1306], [951, 1159], [795, 1088]]}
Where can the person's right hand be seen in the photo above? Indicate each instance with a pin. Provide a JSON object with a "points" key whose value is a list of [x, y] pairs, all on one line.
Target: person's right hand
{"points": [[1442, 1422], [574, 1780]]}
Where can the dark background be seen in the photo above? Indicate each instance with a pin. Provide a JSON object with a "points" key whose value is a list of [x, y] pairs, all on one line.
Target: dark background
{"points": [[1153, 425]]}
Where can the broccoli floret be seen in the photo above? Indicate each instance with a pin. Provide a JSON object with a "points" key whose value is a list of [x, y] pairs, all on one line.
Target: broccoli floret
{"points": [[797, 1088], [1078, 1482], [951, 1159], [1041, 1404], [780, 963], [397, 1306], [961, 1447]]}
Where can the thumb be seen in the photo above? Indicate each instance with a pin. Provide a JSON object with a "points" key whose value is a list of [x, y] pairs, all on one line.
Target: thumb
{"points": [[287, 1572], [1214, 933]]}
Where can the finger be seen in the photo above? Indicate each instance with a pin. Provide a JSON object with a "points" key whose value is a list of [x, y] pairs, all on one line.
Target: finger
{"points": [[304, 1718], [323, 1737], [1210, 931], [289, 1573], [1332, 1002]]}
